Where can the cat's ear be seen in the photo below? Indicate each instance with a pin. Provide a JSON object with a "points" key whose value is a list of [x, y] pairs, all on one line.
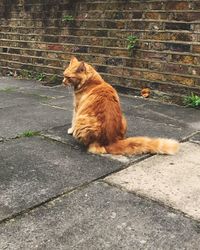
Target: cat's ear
{"points": [[73, 60], [81, 68]]}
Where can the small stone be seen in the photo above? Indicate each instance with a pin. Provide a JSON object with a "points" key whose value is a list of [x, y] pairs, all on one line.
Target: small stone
{"points": [[113, 215]]}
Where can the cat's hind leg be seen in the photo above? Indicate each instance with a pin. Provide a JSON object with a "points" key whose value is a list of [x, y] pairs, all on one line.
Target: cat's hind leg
{"points": [[95, 148], [124, 126]]}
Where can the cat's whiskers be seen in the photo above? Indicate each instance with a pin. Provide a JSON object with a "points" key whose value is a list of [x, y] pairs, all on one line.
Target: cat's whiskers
{"points": [[70, 89]]}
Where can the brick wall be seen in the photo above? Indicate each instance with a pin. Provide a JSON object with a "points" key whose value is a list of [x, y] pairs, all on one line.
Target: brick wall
{"points": [[34, 39]]}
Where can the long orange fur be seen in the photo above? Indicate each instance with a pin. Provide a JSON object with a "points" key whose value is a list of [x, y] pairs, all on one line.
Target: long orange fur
{"points": [[98, 121]]}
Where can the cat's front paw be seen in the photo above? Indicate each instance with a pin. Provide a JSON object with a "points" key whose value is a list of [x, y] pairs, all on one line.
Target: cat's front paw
{"points": [[70, 131]]}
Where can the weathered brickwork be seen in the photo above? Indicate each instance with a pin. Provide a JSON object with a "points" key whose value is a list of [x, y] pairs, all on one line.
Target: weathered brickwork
{"points": [[36, 36]]}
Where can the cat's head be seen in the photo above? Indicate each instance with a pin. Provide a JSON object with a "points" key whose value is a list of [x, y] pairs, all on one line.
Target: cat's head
{"points": [[76, 74]]}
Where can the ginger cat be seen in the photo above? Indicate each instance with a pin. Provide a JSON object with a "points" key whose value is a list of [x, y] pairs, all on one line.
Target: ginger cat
{"points": [[98, 121]]}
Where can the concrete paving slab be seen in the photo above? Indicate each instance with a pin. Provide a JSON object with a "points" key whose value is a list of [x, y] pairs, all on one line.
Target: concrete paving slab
{"points": [[12, 98], [45, 91], [10, 82], [100, 217], [60, 134], [141, 122], [189, 116], [33, 87], [65, 103], [173, 180], [36, 117], [35, 169], [129, 102], [152, 118]]}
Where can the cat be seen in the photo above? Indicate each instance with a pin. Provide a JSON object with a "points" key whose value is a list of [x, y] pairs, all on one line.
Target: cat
{"points": [[98, 121]]}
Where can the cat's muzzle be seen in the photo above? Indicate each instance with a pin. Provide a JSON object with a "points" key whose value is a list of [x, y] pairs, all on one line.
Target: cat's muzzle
{"points": [[65, 82]]}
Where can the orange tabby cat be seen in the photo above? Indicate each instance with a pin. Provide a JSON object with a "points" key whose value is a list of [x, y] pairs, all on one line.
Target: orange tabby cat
{"points": [[98, 121]]}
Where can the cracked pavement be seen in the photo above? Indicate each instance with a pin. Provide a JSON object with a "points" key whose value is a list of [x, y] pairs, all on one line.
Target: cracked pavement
{"points": [[55, 195]]}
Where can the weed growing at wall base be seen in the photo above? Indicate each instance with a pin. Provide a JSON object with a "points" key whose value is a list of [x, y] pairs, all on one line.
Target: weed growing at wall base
{"points": [[28, 74], [40, 77], [192, 101]]}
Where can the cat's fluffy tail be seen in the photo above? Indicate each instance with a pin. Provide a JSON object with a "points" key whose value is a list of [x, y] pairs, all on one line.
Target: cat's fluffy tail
{"points": [[140, 145]]}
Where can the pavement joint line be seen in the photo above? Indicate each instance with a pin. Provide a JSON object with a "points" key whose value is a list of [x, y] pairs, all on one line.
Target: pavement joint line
{"points": [[60, 195], [50, 137], [142, 158], [3, 140], [58, 139], [18, 90], [166, 116], [195, 142], [43, 203], [130, 161], [22, 90], [134, 161], [54, 106], [63, 194], [46, 97], [9, 89], [197, 221], [187, 138], [160, 123], [148, 99], [19, 136]]}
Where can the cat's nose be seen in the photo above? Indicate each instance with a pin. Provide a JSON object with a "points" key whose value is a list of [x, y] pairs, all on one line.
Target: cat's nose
{"points": [[64, 82]]}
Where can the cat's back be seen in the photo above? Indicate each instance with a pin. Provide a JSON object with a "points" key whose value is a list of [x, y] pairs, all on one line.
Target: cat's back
{"points": [[100, 100], [105, 92], [103, 101]]}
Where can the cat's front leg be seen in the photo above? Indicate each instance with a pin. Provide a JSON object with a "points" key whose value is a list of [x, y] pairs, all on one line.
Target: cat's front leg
{"points": [[71, 130]]}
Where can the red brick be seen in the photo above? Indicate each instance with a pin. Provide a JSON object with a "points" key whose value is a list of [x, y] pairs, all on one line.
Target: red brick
{"points": [[196, 48], [173, 5], [152, 15], [153, 76], [56, 47], [157, 5], [175, 68], [184, 59], [187, 16], [181, 80], [182, 37]]}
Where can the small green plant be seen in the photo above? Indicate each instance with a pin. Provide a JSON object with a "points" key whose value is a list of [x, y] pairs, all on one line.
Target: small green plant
{"points": [[26, 74], [30, 133], [132, 41], [67, 18], [192, 101], [40, 77]]}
